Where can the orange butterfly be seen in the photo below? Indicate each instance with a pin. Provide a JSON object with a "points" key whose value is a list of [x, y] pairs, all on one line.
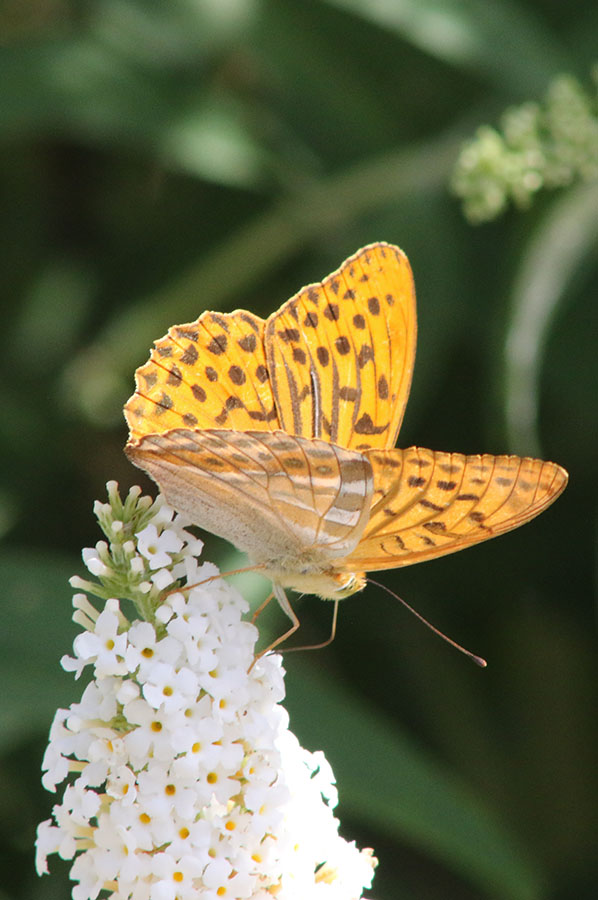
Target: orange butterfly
{"points": [[279, 435]]}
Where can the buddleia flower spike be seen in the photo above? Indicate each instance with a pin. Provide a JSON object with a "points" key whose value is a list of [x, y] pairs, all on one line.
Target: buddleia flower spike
{"points": [[179, 777]]}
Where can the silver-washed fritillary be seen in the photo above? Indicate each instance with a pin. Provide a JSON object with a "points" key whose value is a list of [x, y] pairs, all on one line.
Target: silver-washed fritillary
{"points": [[279, 435]]}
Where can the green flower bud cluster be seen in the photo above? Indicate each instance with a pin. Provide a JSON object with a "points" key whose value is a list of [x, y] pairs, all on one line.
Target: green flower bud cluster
{"points": [[538, 145]]}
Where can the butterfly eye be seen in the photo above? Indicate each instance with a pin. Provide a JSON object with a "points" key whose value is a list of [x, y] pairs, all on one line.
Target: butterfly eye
{"points": [[349, 583]]}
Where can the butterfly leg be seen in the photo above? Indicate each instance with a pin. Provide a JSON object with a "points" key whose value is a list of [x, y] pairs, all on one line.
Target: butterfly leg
{"points": [[328, 640], [262, 607], [285, 605]]}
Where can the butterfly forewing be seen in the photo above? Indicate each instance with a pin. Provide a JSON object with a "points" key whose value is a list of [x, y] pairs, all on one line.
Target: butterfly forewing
{"points": [[211, 373], [272, 495], [341, 353], [427, 504]]}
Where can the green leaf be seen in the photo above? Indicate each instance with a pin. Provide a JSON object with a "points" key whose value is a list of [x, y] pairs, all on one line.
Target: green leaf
{"points": [[505, 42], [85, 89]]}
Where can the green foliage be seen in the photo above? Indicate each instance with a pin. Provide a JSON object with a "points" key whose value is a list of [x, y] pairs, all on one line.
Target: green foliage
{"points": [[545, 145], [161, 158]]}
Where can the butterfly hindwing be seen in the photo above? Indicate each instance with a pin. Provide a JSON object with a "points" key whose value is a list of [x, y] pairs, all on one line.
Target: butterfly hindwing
{"points": [[341, 353], [272, 495], [427, 503]]}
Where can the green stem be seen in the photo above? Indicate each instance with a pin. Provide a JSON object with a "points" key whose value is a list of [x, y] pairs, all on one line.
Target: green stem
{"points": [[566, 236]]}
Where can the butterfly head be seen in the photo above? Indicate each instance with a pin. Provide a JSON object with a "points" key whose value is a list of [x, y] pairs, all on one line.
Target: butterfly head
{"points": [[339, 585], [328, 585], [343, 584]]}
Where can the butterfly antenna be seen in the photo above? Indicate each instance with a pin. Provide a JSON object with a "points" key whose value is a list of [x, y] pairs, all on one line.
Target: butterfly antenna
{"points": [[478, 660]]}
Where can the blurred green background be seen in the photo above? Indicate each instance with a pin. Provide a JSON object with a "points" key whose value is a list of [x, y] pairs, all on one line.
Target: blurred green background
{"points": [[162, 157]]}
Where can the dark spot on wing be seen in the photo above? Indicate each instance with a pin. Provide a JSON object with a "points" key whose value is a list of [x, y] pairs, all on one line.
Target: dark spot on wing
{"points": [[261, 373], [365, 354], [288, 334], [435, 527], [189, 334], [237, 375], [219, 320], [299, 355], [383, 387], [323, 356], [248, 343], [364, 425], [429, 505], [165, 401], [190, 355], [174, 376], [150, 379], [218, 345]]}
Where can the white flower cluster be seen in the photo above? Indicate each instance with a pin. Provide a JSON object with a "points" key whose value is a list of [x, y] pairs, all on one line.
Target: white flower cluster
{"points": [[184, 781]]}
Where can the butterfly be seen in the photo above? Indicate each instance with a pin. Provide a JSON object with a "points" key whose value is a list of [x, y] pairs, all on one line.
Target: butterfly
{"points": [[278, 435]]}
